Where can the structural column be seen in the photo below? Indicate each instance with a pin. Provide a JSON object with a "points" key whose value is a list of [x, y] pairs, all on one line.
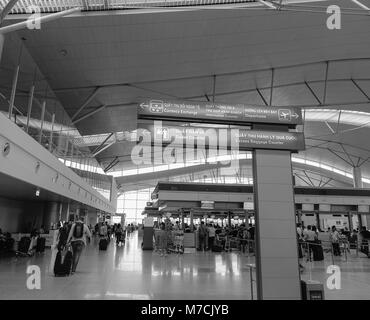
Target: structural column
{"points": [[191, 220], [277, 265], [357, 183], [51, 214], [229, 218], [1, 44]]}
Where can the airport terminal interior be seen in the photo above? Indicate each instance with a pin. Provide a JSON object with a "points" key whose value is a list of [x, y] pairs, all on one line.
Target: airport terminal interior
{"points": [[185, 149]]}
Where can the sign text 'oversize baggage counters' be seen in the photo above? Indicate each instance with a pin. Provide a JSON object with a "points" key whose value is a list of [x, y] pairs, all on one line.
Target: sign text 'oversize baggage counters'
{"points": [[255, 139], [218, 112], [216, 138]]}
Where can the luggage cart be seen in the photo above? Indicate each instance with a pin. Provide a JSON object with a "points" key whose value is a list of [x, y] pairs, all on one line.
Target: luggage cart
{"points": [[176, 244]]}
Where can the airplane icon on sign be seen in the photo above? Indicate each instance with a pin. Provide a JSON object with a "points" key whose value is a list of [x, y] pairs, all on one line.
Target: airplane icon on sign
{"points": [[285, 114]]}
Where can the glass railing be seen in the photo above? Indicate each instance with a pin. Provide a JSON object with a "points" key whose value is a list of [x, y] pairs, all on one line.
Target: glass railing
{"points": [[62, 141], [102, 5]]}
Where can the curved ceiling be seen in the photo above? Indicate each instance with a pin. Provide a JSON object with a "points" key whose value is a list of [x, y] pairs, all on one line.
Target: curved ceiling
{"points": [[227, 55]]}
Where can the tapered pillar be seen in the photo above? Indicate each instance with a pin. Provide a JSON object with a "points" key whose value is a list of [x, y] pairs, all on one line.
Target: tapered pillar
{"points": [[51, 214], [1, 44], [357, 183], [277, 266]]}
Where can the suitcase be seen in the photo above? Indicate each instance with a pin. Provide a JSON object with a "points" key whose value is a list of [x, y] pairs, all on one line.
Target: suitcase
{"points": [[103, 244], [318, 253], [58, 265], [62, 267], [217, 248], [40, 246], [24, 245]]}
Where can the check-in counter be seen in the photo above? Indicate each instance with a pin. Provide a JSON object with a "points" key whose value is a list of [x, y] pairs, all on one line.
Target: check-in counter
{"points": [[189, 240]]}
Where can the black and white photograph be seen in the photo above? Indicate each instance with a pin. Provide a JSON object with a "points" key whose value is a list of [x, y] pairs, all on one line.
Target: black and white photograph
{"points": [[184, 155]]}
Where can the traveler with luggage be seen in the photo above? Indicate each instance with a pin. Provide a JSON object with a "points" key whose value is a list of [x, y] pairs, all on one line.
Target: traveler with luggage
{"points": [[62, 236], [119, 234], [77, 237]]}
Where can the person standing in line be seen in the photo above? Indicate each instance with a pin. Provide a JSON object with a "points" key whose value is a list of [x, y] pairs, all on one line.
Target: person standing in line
{"points": [[162, 240], [202, 234], [77, 238], [176, 227], [334, 238], [211, 236], [310, 237]]}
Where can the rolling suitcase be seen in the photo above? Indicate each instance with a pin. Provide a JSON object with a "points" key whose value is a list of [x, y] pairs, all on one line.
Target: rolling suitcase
{"points": [[40, 246], [58, 265], [62, 267], [318, 252], [103, 244], [217, 248], [67, 263], [24, 245]]}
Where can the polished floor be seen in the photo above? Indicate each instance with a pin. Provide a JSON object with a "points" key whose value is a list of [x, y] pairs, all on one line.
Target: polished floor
{"points": [[129, 273]]}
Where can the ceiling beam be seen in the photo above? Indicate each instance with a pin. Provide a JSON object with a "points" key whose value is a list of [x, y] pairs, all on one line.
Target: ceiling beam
{"points": [[87, 101], [361, 5], [104, 148], [41, 19], [360, 89], [313, 93], [325, 82], [262, 97], [236, 73], [272, 85], [89, 114], [346, 161], [114, 162], [9, 6], [102, 144], [268, 4]]}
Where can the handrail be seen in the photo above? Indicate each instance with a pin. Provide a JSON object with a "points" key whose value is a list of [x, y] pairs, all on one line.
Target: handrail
{"points": [[252, 267]]}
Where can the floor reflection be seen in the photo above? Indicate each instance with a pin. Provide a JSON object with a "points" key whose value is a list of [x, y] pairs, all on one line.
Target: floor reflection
{"points": [[127, 272]]}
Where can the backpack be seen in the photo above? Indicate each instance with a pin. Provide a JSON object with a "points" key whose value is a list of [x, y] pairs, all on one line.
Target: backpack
{"points": [[79, 230]]}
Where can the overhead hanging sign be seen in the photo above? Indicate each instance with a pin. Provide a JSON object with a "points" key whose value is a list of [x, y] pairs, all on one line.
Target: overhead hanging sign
{"points": [[218, 112], [216, 138], [256, 139]]}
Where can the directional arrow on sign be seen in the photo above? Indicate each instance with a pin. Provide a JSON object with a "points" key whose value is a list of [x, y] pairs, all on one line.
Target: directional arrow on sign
{"points": [[294, 115], [144, 105]]}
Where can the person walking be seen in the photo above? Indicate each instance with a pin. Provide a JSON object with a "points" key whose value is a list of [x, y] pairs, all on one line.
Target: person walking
{"points": [[119, 234], [78, 239]]}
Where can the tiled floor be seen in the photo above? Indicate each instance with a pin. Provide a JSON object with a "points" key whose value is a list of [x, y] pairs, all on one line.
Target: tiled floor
{"points": [[130, 273]]}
